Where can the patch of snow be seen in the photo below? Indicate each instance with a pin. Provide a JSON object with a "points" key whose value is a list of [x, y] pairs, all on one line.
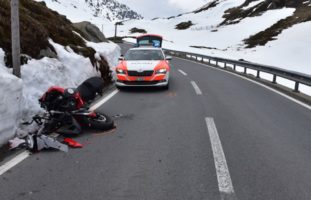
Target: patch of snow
{"points": [[10, 101], [287, 51], [2, 64], [78, 34], [110, 51], [252, 4]]}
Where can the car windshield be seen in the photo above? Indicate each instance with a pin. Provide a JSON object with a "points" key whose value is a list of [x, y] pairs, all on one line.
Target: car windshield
{"points": [[144, 55]]}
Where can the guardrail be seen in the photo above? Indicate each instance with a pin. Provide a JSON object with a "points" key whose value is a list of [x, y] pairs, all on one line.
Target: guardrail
{"points": [[297, 77]]}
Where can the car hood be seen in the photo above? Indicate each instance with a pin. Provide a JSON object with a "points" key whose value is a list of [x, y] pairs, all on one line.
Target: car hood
{"points": [[142, 65]]}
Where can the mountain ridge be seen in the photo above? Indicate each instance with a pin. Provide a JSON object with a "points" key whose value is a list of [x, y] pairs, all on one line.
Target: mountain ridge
{"points": [[111, 10]]}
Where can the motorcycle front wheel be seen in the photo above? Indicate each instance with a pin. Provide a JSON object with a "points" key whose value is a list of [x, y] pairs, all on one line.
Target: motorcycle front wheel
{"points": [[101, 122]]}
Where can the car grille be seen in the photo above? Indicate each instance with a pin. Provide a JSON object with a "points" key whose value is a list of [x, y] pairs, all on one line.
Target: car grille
{"points": [[143, 73], [140, 82]]}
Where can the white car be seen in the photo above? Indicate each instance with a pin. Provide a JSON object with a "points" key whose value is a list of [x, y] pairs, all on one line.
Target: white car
{"points": [[143, 66]]}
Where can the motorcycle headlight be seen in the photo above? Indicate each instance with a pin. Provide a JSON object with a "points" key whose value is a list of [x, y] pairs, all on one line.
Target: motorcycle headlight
{"points": [[120, 71], [161, 71]]}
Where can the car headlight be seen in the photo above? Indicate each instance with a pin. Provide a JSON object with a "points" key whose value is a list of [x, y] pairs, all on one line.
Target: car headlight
{"points": [[161, 71], [120, 71]]}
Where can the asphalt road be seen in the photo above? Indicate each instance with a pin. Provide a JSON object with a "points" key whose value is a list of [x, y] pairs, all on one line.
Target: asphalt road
{"points": [[163, 149]]}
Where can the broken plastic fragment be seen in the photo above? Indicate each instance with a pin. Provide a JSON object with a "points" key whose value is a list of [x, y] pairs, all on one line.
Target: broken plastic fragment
{"points": [[39, 142], [72, 143], [16, 142]]}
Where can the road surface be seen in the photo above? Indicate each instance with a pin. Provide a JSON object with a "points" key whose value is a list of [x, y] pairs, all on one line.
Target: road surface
{"points": [[212, 135]]}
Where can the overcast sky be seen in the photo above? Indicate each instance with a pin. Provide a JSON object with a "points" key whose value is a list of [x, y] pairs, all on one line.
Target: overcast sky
{"points": [[162, 8]]}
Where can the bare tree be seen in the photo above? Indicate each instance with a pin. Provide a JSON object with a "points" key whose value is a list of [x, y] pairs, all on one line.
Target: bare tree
{"points": [[15, 37]]}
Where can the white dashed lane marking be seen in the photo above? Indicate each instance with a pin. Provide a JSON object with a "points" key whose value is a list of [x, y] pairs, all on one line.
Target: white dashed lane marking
{"points": [[182, 72], [223, 176], [196, 88]]}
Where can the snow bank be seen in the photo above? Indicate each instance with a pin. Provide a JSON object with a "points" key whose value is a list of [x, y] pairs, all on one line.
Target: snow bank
{"points": [[69, 70], [19, 100], [110, 51], [10, 101]]}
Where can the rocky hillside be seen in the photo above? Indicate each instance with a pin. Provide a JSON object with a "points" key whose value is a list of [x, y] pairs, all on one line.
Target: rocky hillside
{"points": [[37, 24]]}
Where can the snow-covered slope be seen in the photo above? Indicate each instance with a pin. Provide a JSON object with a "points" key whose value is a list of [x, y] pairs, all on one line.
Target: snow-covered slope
{"points": [[221, 28], [95, 11], [219, 31]]}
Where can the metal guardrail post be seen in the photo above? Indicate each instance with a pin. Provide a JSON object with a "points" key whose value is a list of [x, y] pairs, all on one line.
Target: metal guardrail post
{"points": [[225, 65], [274, 79], [296, 86], [258, 74], [245, 70], [216, 63], [234, 67]]}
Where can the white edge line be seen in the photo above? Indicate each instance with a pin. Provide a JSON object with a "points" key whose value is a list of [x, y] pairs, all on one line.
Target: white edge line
{"points": [[14, 161], [104, 100], [23, 155], [196, 88], [255, 82], [223, 176], [182, 72]]}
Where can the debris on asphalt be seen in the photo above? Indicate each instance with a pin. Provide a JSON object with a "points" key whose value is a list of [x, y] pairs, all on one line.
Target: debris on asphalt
{"points": [[117, 116], [37, 143], [72, 143], [16, 143]]}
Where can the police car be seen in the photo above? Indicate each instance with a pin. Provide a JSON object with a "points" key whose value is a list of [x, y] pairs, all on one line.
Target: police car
{"points": [[144, 65]]}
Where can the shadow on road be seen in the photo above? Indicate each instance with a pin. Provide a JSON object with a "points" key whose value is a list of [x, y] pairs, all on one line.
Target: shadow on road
{"points": [[143, 90]]}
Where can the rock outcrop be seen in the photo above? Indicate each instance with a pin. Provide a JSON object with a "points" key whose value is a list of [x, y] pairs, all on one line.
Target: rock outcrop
{"points": [[90, 32]]}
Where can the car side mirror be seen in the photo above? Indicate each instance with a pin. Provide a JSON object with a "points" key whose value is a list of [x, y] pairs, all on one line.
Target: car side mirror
{"points": [[121, 58], [168, 57]]}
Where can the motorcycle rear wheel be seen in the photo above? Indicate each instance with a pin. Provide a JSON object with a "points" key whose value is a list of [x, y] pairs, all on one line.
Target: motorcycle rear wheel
{"points": [[101, 122]]}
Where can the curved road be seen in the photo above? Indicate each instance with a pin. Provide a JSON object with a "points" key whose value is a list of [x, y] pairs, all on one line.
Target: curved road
{"points": [[212, 135]]}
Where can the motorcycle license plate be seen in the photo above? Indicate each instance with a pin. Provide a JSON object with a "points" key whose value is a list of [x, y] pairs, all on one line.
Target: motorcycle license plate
{"points": [[140, 79]]}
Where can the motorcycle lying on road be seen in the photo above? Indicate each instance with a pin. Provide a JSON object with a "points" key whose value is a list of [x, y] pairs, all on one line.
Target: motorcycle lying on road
{"points": [[67, 109]]}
